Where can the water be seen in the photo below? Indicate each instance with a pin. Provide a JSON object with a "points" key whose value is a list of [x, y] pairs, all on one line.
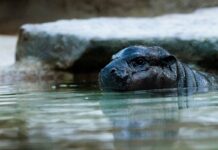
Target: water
{"points": [[85, 118], [44, 115]]}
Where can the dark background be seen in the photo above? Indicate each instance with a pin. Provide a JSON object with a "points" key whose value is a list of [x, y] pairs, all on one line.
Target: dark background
{"points": [[14, 13]]}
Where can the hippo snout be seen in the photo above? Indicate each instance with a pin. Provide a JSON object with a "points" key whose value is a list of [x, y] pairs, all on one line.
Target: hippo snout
{"points": [[118, 74], [112, 77]]}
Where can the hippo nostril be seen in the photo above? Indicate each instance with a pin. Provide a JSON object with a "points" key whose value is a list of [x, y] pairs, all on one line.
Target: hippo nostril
{"points": [[113, 70]]}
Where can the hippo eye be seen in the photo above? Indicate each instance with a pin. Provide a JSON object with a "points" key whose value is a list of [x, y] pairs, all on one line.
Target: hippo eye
{"points": [[138, 61]]}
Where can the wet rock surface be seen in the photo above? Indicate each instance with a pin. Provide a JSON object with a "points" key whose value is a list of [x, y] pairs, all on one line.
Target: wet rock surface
{"points": [[28, 70], [86, 45]]}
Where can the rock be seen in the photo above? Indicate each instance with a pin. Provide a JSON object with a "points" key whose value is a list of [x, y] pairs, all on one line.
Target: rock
{"points": [[87, 44], [27, 71], [32, 71]]}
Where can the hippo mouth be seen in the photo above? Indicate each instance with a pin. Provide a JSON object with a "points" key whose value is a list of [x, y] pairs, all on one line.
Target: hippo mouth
{"points": [[112, 83]]}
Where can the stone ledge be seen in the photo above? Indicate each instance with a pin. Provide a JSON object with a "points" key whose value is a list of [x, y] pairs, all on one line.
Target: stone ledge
{"points": [[87, 44]]}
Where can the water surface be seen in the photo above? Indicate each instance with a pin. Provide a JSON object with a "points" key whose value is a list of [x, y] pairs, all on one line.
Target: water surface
{"points": [[83, 117]]}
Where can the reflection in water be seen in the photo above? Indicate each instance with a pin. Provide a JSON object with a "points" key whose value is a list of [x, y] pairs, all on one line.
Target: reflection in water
{"points": [[79, 118], [147, 120], [141, 122]]}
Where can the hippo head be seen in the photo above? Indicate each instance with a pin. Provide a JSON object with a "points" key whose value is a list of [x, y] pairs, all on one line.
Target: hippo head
{"points": [[139, 68]]}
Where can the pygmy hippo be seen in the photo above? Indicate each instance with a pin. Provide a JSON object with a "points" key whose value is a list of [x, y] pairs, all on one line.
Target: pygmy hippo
{"points": [[144, 68]]}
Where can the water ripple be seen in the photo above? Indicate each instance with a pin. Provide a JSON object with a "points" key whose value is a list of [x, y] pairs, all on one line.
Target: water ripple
{"points": [[87, 119]]}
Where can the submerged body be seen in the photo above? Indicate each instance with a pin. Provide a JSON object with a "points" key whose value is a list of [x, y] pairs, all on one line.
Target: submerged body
{"points": [[144, 68]]}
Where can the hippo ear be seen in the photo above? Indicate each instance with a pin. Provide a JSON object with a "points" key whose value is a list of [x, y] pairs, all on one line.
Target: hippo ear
{"points": [[168, 60]]}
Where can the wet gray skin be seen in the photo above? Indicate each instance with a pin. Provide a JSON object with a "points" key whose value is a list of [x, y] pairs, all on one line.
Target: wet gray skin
{"points": [[144, 68]]}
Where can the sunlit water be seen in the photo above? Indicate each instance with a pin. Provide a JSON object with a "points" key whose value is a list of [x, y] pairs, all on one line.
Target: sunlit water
{"points": [[74, 117]]}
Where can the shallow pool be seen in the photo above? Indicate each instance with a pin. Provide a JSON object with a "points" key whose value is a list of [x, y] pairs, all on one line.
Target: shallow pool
{"points": [[84, 118]]}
